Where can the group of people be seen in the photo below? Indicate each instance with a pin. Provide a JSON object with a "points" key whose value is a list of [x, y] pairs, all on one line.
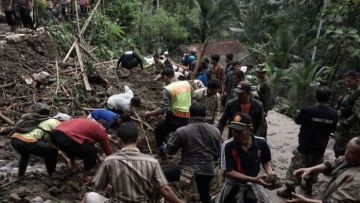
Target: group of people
{"points": [[194, 123], [16, 10], [21, 8]]}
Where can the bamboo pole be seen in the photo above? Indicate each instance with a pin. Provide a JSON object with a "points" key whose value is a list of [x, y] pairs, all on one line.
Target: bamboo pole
{"points": [[6, 119], [82, 30], [57, 78], [81, 63], [142, 129]]}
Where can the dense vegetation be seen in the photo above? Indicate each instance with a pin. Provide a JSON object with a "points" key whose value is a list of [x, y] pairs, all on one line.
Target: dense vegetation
{"points": [[303, 42]]}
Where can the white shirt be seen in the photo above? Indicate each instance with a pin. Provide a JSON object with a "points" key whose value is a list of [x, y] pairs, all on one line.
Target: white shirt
{"points": [[121, 101]]}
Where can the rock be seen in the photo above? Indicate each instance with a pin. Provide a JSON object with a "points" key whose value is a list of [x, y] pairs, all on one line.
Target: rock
{"points": [[53, 191], [59, 176], [23, 192], [48, 182], [27, 199], [2, 143], [14, 171], [5, 169], [274, 182], [57, 182], [74, 186], [37, 199], [48, 201], [14, 198], [16, 37]]}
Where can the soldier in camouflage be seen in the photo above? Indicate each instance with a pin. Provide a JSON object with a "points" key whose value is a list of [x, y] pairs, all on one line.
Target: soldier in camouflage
{"points": [[265, 92], [317, 123], [349, 113]]}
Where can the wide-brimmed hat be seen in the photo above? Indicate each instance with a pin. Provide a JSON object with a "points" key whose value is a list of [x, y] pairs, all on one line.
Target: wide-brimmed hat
{"points": [[242, 87], [241, 121]]}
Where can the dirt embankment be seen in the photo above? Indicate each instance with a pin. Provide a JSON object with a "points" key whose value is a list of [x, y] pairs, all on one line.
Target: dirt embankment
{"points": [[64, 90]]}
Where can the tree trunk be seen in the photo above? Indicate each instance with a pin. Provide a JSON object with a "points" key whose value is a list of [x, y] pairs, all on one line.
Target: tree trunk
{"points": [[318, 33]]}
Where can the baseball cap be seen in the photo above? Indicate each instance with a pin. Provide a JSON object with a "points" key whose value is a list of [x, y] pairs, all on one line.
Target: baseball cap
{"points": [[241, 121], [243, 86]]}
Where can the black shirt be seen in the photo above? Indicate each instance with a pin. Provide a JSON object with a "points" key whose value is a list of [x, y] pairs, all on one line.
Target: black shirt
{"points": [[317, 122], [256, 112], [248, 163]]}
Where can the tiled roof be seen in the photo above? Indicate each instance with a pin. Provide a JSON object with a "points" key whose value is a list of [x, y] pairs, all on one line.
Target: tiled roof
{"points": [[221, 48]]}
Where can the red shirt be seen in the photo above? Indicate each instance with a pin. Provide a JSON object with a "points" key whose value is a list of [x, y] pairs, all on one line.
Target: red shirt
{"points": [[83, 130]]}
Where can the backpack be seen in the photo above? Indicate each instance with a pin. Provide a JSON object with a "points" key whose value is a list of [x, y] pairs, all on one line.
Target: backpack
{"points": [[29, 122]]}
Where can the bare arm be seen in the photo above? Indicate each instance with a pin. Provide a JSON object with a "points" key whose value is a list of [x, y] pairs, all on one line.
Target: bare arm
{"points": [[267, 168], [244, 178], [165, 105], [315, 169], [301, 199], [169, 194]]}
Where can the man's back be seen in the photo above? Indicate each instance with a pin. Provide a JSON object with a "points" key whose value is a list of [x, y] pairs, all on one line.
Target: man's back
{"points": [[200, 145], [317, 122], [134, 176], [129, 60]]}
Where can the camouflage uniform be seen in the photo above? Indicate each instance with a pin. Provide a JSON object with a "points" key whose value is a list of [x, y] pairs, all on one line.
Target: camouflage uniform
{"points": [[266, 96], [349, 122], [300, 160]]}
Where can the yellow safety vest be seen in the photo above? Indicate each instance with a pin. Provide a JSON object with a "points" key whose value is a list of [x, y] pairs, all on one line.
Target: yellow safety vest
{"points": [[180, 98]]}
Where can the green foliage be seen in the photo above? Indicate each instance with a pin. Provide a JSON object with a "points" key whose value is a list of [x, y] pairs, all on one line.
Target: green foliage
{"points": [[108, 36], [160, 30], [123, 12], [62, 35]]}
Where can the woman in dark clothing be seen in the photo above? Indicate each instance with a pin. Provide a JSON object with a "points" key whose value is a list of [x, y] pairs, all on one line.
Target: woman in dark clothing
{"points": [[10, 15]]}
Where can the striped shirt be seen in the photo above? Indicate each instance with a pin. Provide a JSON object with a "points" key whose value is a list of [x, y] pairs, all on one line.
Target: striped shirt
{"points": [[135, 177]]}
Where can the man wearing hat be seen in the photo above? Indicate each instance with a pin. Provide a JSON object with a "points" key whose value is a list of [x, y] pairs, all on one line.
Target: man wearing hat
{"points": [[245, 104], [175, 105], [241, 159], [264, 90], [265, 93]]}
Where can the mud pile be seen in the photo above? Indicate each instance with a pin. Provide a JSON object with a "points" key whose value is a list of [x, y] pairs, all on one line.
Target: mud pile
{"points": [[63, 89]]}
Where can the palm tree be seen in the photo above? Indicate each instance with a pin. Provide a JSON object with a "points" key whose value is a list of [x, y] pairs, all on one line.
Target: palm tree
{"points": [[215, 16]]}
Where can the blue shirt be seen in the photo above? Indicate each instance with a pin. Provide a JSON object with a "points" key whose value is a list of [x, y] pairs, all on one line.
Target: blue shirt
{"points": [[203, 77], [103, 114], [248, 163]]}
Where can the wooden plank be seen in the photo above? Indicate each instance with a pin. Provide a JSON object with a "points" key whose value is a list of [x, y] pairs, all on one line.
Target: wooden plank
{"points": [[85, 78]]}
